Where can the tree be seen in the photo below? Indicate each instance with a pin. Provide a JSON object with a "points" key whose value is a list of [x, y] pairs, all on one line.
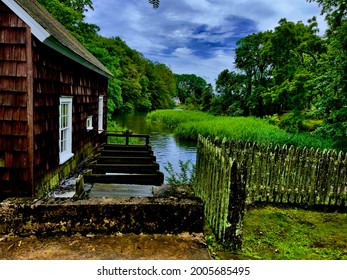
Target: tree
{"points": [[294, 49], [190, 88], [155, 3], [231, 87], [206, 98], [253, 60], [331, 80]]}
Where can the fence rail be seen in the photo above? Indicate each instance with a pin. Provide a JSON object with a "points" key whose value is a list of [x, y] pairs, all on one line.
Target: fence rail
{"points": [[228, 172], [126, 135]]}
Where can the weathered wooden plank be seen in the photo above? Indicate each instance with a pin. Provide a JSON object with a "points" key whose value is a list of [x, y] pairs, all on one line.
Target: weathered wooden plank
{"points": [[13, 52], [126, 147], [143, 179], [126, 153], [119, 159], [125, 168]]}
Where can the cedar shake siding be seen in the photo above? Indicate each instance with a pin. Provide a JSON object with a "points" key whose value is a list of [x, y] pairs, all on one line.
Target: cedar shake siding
{"points": [[14, 172], [33, 78], [56, 76]]}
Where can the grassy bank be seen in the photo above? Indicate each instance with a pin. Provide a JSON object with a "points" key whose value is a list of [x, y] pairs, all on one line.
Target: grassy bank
{"points": [[189, 124], [272, 233]]}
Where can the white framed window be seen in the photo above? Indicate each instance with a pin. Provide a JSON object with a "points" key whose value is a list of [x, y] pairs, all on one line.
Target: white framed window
{"points": [[89, 123], [65, 129], [101, 114]]}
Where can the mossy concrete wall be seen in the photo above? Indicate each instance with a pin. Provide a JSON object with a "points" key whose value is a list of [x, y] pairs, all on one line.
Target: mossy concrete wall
{"points": [[52, 216], [53, 177]]}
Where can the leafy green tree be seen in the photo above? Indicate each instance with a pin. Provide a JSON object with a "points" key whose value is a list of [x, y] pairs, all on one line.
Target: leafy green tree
{"points": [[162, 86], [278, 67], [253, 60], [190, 88], [293, 49], [206, 98], [331, 79], [231, 87]]}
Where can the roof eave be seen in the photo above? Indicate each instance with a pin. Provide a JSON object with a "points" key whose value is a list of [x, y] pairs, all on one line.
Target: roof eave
{"points": [[54, 44]]}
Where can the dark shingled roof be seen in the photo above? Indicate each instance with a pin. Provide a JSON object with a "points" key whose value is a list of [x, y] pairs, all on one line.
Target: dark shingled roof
{"points": [[61, 36]]}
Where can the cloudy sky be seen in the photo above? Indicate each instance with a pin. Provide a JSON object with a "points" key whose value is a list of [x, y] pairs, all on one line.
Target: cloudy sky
{"points": [[194, 36]]}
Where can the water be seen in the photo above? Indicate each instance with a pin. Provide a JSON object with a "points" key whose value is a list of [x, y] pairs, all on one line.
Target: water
{"points": [[165, 146]]}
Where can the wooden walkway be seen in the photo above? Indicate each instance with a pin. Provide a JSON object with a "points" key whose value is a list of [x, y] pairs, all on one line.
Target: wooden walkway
{"points": [[126, 163]]}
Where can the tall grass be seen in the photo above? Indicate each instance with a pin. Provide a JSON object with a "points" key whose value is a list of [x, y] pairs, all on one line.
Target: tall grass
{"points": [[189, 124]]}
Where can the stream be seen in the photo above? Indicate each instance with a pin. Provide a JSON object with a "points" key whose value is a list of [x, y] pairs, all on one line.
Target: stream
{"points": [[165, 146]]}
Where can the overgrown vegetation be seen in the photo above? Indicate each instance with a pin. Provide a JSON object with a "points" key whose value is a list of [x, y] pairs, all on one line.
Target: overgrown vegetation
{"points": [[189, 124], [185, 175]]}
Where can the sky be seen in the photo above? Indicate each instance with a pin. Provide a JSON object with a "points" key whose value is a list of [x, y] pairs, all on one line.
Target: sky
{"points": [[194, 36]]}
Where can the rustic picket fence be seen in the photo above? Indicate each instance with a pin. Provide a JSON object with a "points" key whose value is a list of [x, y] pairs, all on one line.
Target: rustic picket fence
{"points": [[264, 174], [220, 180]]}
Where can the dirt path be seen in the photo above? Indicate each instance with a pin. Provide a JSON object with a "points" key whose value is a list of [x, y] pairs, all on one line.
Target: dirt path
{"points": [[116, 247]]}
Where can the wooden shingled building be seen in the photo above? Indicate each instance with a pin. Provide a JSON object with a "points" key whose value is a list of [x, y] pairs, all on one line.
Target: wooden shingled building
{"points": [[53, 96]]}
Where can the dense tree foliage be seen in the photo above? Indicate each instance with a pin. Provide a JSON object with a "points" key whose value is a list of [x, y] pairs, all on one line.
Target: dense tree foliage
{"points": [[331, 76], [191, 89], [292, 70], [274, 70], [138, 83]]}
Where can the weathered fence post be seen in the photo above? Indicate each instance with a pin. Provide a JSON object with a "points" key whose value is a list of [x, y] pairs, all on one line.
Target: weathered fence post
{"points": [[237, 206]]}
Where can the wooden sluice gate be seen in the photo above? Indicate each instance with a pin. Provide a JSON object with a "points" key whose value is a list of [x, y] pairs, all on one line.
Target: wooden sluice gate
{"points": [[125, 163]]}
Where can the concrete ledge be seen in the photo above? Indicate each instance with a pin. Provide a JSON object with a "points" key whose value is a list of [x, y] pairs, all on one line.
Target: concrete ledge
{"points": [[65, 216]]}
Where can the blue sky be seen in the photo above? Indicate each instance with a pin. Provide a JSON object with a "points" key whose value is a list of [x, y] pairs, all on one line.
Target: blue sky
{"points": [[194, 36]]}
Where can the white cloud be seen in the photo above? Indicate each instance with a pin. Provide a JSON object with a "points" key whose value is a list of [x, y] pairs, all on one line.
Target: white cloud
{"points": [[194, 36]]}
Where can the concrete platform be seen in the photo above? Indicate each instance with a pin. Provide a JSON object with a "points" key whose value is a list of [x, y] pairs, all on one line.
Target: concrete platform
{"points": [[119, 190]]}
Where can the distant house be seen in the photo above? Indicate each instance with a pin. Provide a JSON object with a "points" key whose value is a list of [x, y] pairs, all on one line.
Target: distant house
{"points": [[53, 96]]}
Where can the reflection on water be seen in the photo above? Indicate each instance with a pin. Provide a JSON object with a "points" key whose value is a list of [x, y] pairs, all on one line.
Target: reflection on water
{"points": [[165, 146]]}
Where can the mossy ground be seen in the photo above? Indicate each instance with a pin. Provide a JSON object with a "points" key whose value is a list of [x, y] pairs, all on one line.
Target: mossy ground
{"points": [[272, 233]]}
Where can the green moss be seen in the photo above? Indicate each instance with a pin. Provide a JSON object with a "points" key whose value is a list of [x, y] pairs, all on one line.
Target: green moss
{"points": [[294, 234]]}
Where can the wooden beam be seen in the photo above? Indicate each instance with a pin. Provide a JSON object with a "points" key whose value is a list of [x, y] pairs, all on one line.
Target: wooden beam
{"points": [[125, 168], [116, 153], [119, 160], [142, 179], [30, 109]]}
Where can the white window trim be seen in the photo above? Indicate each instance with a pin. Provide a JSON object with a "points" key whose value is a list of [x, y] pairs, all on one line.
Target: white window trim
{"points": [[67, 154], [89, 123], [101, 114]]}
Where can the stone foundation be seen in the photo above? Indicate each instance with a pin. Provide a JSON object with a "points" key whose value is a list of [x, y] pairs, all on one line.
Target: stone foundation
{"points": [[52, 216]]}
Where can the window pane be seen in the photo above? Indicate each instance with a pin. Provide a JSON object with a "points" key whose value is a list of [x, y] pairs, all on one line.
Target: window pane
{"points": [[65, 134]]}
